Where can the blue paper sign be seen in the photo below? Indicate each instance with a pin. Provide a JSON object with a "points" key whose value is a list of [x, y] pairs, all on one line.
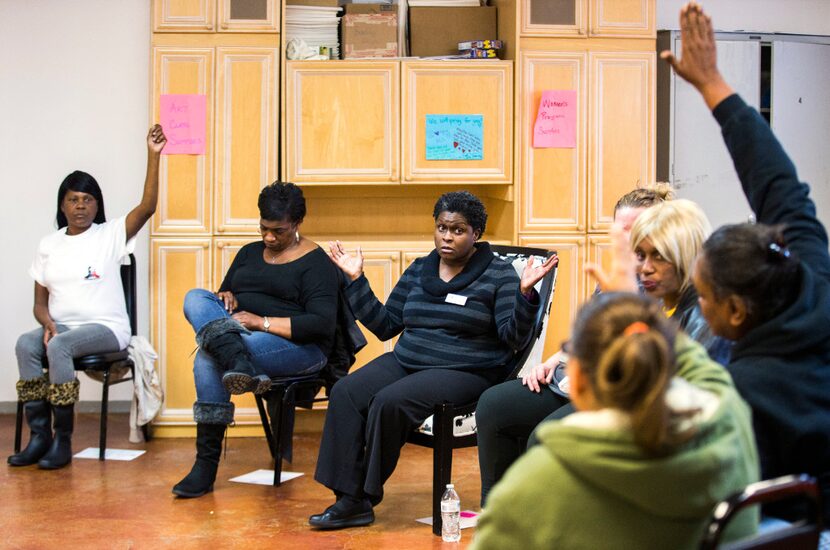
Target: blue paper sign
{"points": [[455, 137]]}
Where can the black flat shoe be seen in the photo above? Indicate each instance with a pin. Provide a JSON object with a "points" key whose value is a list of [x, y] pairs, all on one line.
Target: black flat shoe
{"points": [[341, 515]]}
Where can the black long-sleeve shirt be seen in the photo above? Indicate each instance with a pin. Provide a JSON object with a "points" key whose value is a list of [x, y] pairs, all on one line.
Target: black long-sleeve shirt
{"points": [[304, 290], [782, 367]]}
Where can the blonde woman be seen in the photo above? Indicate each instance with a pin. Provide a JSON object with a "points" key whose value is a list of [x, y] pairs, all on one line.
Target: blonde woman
{"points": [[666, 240]]}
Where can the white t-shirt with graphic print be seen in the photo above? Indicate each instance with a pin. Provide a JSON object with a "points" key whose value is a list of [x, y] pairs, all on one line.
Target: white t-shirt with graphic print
{"points": [[83, 276]]}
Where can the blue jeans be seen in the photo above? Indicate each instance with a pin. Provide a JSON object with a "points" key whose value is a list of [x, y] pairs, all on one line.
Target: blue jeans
{"points": [[271, 354]]}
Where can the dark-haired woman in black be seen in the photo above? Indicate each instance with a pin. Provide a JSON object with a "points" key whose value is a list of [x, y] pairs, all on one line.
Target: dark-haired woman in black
{"points": [[766, 285], [273, 315], [460, 312], [79, 303]]}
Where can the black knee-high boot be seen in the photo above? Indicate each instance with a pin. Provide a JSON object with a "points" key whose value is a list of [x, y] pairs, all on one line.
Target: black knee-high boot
{"points": [[211, 421], [222, 340], [62, 397], [39, 419]]}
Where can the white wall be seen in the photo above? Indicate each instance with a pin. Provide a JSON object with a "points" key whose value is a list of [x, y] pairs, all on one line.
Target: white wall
{"points": [[789, 16], [74, 94]]}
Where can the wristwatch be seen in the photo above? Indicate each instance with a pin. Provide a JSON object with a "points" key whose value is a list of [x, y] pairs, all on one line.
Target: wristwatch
{"points": [[266, 324]]}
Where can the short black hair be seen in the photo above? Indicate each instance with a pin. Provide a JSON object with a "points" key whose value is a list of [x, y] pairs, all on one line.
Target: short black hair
{"points": [[282, 201], [752, 261], [466, 204], [80, 182]]}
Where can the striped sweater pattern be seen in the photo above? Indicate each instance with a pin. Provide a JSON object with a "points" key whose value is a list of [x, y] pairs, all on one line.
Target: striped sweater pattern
{"points": [[494, 320]]}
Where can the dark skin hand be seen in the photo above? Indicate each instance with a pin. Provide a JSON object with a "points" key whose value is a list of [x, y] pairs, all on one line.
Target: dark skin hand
{"points": [[698, 63]]}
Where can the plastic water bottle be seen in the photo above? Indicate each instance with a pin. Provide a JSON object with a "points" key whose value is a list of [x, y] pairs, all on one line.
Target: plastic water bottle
{"points": [[450, 515]]}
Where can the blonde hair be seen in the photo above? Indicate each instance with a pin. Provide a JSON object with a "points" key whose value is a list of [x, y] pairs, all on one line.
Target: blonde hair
{"points": [[629, 370], [677, 229], [646, 196]]}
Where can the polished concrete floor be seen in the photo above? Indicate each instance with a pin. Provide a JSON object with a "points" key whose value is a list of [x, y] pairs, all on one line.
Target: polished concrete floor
{"points": [[121, 505]]}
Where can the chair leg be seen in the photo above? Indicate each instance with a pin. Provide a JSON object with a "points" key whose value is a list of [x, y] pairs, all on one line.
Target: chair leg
{"points": [[266, 424], [276, 429], [441, 461], [18, 427], [105, 396]]}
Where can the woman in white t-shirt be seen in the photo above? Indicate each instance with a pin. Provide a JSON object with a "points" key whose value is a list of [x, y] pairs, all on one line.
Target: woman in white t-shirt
{"points": [[79, 303]]}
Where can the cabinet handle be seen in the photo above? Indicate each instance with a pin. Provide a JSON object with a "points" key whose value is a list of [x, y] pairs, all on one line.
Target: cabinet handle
{"points": [[209, 27], [220, 245], [225, 25]]}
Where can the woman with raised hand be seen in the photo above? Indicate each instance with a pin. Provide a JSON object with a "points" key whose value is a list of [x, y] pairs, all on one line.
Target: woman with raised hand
{"points": [[766, 286], [460, 313], [79, 303]]}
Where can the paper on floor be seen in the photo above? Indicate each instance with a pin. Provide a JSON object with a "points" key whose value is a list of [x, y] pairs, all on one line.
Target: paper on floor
{"points": [[468, 519], [265, 477], [110, 454]]}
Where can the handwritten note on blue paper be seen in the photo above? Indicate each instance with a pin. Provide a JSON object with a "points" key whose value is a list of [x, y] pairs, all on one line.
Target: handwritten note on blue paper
{"points": [[455, 137]]}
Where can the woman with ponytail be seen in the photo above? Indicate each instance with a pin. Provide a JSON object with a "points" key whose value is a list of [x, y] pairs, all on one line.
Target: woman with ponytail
{"points": [[659, 437]]}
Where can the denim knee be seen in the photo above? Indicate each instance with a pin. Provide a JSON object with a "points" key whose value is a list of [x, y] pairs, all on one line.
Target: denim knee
{"points": [[195, 298], [29, 352]]}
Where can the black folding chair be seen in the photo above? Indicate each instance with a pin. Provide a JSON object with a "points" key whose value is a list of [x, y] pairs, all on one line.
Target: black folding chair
{"points": [[103, 363]]}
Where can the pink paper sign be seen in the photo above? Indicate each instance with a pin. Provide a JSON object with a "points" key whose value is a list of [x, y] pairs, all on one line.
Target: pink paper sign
{"points": [[556, 122], [183, 120]]}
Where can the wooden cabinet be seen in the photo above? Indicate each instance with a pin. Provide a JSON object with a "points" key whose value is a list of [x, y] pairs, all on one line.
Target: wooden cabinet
{"points": [[246, 134], [356, 122], [261, 16], [185, 181], [458, 88], [184, 15], [342, 121], [621, 132], [176, 266], [201, 16], [552, 191], [566, 18], [623, 18], [584, 18]]}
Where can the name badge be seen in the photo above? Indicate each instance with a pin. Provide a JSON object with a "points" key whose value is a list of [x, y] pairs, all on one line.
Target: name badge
{"points": [[456, 299]]}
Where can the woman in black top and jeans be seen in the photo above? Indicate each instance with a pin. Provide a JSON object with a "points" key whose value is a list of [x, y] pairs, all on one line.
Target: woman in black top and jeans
{"points": [[274, 315]]}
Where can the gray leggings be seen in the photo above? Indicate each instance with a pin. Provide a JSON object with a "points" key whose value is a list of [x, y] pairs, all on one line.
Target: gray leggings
{"points": [[69, 343]]}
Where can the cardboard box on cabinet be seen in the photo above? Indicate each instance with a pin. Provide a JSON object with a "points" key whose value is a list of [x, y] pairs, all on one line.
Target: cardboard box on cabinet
{"points": [[369, 30]]}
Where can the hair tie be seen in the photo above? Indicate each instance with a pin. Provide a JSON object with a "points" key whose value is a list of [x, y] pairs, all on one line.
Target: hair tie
{"points": [[637, 327], [777, 251]]}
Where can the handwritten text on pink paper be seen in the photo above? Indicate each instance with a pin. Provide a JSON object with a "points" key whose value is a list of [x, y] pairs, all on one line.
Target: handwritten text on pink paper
{"points": [[556, 121], [182, 116]]}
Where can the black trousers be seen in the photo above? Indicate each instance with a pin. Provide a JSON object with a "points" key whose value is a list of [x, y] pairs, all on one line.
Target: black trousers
{"points": [[506, 416], [372, 410]]}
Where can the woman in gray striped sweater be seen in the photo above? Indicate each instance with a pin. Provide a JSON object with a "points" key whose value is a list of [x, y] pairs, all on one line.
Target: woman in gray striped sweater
{"points": [[460, 312]]}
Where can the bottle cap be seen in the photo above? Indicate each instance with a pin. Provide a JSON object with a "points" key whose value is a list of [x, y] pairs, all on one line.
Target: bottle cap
{"points": [[450, 486]]}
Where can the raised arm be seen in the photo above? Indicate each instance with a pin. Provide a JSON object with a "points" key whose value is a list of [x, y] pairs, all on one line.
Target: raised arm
{"points": [[767, 174], [139, 215]]}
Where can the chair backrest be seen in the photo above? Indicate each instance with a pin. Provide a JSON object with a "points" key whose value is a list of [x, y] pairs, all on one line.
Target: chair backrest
{"points": [[128, 282], [802, 534], [545, 289]]}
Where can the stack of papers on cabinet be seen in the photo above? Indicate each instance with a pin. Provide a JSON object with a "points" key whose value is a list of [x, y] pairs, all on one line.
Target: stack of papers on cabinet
{"points": [[316, 25], [444, 3]]}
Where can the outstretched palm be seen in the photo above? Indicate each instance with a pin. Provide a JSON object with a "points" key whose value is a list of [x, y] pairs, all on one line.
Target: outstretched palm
{"points": [[351, 265], [532, 274]]}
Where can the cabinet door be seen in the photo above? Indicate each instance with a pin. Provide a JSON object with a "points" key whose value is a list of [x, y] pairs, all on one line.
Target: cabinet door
{"points": [[600, 252], [553, 17], [458, 88], [342, 122], [246, 134], [184, 15], [623, 18], [249, 16], [176, 266], [570, 284], [621, 137], [553, 179], [184, 180]]}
